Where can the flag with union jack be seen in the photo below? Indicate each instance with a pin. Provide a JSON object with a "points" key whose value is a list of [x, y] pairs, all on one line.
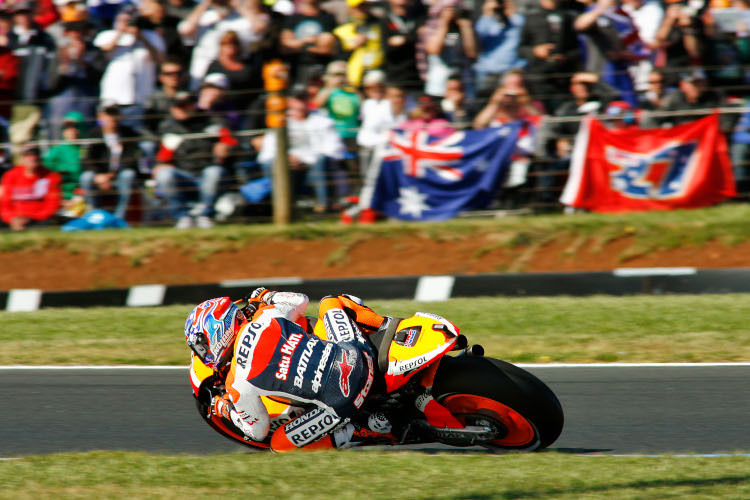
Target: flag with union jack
{"points": [[634, 169], [423, 177]]}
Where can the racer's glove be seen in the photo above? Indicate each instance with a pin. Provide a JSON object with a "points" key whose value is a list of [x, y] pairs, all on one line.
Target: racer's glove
{"points": [[259, 293], [222, 406]]}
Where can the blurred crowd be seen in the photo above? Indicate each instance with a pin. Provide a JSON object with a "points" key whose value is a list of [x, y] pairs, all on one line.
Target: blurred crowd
{"points": [[154, 109]]}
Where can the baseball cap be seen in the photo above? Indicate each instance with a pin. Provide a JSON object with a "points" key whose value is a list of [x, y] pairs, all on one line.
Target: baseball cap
{"points": [[181, 98], [373, 77], [72, 118], [218, 80], [617, 109]]}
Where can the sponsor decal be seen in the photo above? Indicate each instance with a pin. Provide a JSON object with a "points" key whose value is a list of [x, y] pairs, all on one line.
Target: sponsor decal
{"points": [[310, 426], [287, 350], [408, 337], [410, 364], [339, 326], [360, 399], [346, 370], [245, 347], [303, 361], [318, 377]]}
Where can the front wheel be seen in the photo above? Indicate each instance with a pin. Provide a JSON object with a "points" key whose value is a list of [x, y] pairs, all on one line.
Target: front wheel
{"points": [[484, 391]]}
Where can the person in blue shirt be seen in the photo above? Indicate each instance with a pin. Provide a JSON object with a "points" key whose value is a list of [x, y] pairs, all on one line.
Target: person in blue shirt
{"points": [[498, 32]]}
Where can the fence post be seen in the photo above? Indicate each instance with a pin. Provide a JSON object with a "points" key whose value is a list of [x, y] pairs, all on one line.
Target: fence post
{"points": [[282, 186], [275, 75]]}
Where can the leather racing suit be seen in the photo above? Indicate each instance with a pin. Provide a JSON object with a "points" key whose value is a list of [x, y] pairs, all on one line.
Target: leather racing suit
{"points": [[274, 356]]}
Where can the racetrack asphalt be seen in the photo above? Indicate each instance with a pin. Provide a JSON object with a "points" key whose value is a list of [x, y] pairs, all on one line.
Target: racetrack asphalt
{"points": [[608, 410]]}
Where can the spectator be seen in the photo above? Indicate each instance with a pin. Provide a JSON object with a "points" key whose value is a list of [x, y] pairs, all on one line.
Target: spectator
{"points": [[652, 98], [65, 158], [9, 68], [426, 116], [455, 103], [381, 115], [498, 32], [156, 18], [208, 22], [34, 48], [171, 81], [510, 102], [450, 45], [549, 44], [110, 167], [693, 93], [314, 145], [30, 193], [191, 170], [73, 77], [360, 39], [680, 40], [134, 54], [45, 14], [647, 16], [399, 31], [212, 101], [611, 44], [341, 102], [619, 115], [243, 74], [307, 40]]}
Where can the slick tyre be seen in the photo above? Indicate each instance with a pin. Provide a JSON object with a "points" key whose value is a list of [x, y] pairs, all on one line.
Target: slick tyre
{"points": [[490, 392]]}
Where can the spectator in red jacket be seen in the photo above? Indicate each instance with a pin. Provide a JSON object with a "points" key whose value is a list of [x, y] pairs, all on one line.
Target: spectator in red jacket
{"points": [[30, 193]]}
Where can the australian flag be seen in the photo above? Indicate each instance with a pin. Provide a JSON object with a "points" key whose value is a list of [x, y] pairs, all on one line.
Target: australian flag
{"points": [[435, 178]]}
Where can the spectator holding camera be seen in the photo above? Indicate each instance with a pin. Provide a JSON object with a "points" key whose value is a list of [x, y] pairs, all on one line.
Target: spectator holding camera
{"points": [[134, 54], [680, 39], [509, 102], [499, 35], [450, 45], [73, 77]]}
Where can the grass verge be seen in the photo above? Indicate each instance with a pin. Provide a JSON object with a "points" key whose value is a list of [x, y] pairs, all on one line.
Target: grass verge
{"points": [[372, 475], [668, 328], [649, 230]]}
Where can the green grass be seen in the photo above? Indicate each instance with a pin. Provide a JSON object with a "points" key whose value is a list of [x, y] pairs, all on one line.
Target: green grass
{"points": [[650, 231], [662, 328], [376, 475]]}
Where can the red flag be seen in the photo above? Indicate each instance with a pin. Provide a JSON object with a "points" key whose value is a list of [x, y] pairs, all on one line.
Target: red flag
{"points": [[686, 166]]}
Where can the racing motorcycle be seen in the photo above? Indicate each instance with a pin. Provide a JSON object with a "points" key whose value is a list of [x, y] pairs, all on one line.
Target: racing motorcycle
{"points": [[500, 405]]}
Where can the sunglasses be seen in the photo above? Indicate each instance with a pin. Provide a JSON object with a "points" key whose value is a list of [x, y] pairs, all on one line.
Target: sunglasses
{"points": [[171, 73]]}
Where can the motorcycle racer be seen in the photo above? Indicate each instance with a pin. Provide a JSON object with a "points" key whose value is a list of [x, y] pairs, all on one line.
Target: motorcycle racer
{"points": [[272, 352]]}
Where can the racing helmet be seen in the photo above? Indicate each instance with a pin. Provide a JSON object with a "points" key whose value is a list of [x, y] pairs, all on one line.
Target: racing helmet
{"points": [[210, 330]]}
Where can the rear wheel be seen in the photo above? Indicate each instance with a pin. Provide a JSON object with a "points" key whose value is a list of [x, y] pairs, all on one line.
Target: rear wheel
{"points": [[484, 391]]}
